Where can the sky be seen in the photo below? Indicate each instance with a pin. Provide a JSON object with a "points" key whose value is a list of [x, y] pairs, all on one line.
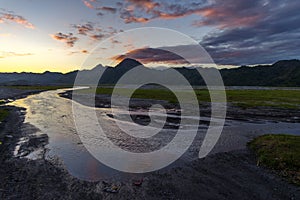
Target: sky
{"points": [[61, 35]]}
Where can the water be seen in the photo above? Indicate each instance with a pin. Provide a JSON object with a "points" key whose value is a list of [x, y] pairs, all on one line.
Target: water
{"points": [[53, 116]]}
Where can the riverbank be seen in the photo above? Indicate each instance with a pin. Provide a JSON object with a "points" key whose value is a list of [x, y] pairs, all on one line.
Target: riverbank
{"points": [[225, 175], [215, 176], [241, 105]]}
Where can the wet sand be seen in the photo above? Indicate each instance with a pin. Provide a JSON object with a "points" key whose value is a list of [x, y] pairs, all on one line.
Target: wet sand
{"points": [[230, 172]]}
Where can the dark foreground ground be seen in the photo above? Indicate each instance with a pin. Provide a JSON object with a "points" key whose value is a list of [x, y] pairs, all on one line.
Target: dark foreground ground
{"points": [[231, 175]]}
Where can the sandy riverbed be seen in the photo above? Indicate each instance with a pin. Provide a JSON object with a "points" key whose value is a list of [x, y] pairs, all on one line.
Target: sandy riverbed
{"points": [[230, 172]]}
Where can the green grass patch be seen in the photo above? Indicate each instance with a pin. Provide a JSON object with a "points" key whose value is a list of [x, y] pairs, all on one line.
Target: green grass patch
{"points": [[3, 114], [280, 153], [287, 99], [268, 98]]}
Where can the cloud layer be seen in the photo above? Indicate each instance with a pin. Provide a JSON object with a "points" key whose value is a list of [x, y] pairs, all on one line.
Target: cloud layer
{"points": [[252, 32], [152, 55]]}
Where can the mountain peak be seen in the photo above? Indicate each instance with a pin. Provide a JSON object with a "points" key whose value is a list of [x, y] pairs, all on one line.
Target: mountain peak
{"points": [[128, 63]]}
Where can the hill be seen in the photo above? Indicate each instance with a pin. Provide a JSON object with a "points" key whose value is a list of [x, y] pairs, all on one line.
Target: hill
{"points": [[285, 73]]}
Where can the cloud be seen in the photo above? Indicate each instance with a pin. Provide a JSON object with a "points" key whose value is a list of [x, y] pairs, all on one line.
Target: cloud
{"points": [[147, 5], [97, 36], [78, 52], [88, 4], [141, 11], [114, 41], [232, 13], [152, 55], [107, 9], [11, 17], [84, 29], [5, 54], [274, 35], [216, 13], [131, 19], [69, 39]]}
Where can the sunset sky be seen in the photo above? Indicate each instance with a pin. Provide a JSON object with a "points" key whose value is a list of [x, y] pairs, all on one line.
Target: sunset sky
{"points": [[58, 35]]}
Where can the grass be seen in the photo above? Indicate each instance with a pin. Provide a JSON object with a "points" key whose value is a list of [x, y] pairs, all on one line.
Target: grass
{"points": [[280, 153], [287, 99], [3, 114], [268, 98], [37, 87]]}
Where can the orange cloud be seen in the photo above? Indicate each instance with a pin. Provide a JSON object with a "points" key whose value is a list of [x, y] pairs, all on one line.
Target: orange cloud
{"points": [[135, 19], [148, 5], [17, 19]]}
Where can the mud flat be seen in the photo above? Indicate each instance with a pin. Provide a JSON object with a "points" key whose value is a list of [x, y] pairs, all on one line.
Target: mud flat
{"points": [[230, 172]]}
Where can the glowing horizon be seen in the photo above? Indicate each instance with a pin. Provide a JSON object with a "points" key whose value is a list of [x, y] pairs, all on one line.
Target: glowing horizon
{"points": [[34, 39]]}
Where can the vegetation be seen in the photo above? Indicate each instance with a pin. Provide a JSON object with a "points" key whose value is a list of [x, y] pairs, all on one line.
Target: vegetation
{"points": [[268, 98], [243, 98], [280, 153], [3, 114]]}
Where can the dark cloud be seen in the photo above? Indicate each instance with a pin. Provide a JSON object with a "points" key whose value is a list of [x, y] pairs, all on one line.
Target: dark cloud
{"points": [[84, 29], [68, 39], [91, 30], [244, 32], [97, 36], [274, 35], [114, 41], [192, 54], [232, 13], [11, 17], [152, 55], [107, 9], [141, 11]]}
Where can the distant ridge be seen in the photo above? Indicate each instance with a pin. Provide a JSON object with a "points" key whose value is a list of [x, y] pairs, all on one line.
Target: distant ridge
{"points": [[284, 73]]}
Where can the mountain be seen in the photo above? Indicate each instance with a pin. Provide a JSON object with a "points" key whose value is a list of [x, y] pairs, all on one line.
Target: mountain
{"points": [[282, 73], [30, 78], [112, 74]]}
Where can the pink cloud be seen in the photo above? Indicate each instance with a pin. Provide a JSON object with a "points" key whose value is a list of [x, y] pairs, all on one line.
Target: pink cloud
{"points": [[88, 4], [17, 19]]}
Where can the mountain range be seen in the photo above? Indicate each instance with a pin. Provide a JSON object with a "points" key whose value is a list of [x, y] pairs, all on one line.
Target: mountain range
{"points": [[285, 73]]}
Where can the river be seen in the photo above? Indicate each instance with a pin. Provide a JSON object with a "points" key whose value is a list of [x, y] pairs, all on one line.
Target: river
{"points": [[52, 115]]}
